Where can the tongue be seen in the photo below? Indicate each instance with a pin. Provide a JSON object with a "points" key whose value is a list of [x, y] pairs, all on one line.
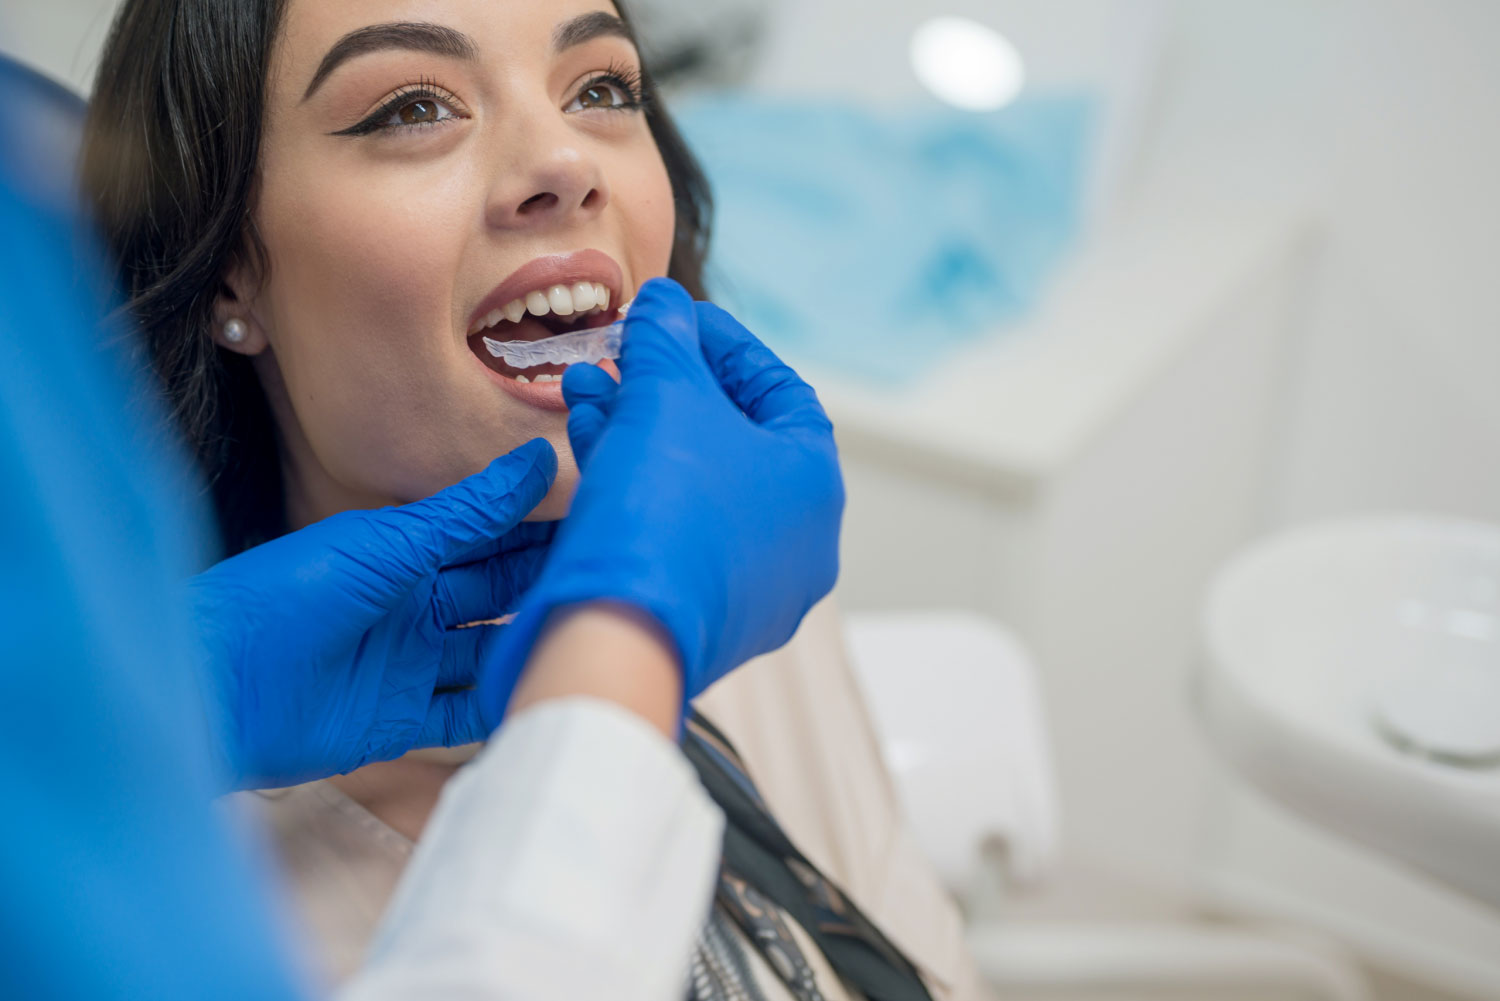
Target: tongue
{"points": [[528, 328]]}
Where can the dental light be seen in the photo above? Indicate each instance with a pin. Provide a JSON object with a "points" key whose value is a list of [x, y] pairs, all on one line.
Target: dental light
{"points": [[967, 63]]}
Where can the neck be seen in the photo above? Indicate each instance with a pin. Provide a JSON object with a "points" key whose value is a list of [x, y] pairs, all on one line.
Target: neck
{"points": [[309, 493]]}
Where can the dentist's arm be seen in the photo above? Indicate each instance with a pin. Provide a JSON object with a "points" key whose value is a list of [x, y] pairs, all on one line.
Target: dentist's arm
{"points": [[575, 857]]}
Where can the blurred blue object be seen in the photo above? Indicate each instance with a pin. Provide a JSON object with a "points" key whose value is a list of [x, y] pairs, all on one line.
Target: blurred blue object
{"points": [[118, 880], [54, 131], [873, 243]]}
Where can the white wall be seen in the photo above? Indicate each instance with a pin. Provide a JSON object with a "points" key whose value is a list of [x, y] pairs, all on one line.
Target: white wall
{"points": [[59, 37], [1392, 109], [1400, 405]]}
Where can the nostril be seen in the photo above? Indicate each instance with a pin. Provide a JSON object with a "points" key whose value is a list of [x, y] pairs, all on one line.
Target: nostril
{"points": [[538, 203], [592, 199]]}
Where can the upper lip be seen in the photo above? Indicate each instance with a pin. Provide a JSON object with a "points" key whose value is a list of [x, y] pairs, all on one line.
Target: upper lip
{"points": [[553, 269]]}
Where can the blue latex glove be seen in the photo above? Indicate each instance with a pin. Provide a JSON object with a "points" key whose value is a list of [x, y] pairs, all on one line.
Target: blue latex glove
{"points": [[710, 499], [334, 646]]}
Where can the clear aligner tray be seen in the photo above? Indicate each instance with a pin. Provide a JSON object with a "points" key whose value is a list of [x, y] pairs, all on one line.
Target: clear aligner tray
{"points": [[581, 346]]}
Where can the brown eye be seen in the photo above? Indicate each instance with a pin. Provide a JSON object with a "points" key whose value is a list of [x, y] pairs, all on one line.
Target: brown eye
{"points": [[598, 96], [603, 95], [418, 112], [409, 110]]}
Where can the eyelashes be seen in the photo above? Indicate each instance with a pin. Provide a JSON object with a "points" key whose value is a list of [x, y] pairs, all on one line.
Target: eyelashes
{"points": [[628, 78], [625, 78], [418, 92]]}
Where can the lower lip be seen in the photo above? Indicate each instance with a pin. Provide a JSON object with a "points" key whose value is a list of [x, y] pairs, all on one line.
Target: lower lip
{"points": [[541, 395]]}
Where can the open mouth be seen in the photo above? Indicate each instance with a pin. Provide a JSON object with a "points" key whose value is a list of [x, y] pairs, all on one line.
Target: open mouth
{"points": [[537, 315]]}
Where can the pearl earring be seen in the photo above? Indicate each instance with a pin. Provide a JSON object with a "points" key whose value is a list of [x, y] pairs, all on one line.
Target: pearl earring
{"points": [[235, 331]]}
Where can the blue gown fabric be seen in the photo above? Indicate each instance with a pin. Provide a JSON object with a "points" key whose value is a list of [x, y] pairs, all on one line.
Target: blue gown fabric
{"points": [[118, 878]]}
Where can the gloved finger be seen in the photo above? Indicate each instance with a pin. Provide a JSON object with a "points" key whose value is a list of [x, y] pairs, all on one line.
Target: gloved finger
{"points": [[585, 424], [760, 384], [661, 332], [487, 589], [420, 537], [526, 535], [588, 384], [464, 652], [453, 719]]}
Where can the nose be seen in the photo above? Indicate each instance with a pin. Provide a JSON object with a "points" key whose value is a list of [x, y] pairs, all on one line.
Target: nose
{"points": [[552, 178]]}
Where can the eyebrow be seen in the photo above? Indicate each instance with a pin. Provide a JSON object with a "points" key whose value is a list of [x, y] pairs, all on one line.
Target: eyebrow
{"points": [[420, 36], [587, 27], [414, 36]]}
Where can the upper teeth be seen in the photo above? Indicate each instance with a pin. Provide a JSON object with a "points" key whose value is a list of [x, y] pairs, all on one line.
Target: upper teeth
{"points": [[562, 300]]}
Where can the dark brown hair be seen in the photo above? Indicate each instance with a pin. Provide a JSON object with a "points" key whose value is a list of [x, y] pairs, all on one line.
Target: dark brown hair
{"points": [[168, 167]]}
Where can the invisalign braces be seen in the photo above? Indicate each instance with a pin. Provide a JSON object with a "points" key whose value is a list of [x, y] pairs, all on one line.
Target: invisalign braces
{"points": [[580, 347]]}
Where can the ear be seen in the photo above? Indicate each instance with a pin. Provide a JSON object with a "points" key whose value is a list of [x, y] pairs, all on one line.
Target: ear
{"points": [[235, 326]]}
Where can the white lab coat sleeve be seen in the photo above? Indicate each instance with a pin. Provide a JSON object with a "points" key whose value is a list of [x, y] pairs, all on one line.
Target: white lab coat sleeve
{"points": [[574, 858]]}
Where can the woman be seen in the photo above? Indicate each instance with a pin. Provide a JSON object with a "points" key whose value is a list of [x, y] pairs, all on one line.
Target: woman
{"points": [[321, 209]]}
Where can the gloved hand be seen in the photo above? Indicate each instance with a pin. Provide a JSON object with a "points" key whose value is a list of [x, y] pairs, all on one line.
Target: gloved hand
{"points": [[332, 646], [710, 499]]}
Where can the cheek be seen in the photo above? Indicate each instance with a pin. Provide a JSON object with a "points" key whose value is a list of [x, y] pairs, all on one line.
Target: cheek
{"points": [[358, 304], [354, 261], [645, 198]]}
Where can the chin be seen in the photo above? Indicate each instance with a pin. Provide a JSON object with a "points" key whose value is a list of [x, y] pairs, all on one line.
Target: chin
{"points": [[554, 507]]}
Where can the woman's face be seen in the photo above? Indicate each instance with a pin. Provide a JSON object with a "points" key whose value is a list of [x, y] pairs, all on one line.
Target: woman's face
{"points": [[426, 163]]}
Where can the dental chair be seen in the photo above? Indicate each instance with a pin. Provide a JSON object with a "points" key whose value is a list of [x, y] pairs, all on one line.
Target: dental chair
{"points": [[955, 699], [48, 154]]}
